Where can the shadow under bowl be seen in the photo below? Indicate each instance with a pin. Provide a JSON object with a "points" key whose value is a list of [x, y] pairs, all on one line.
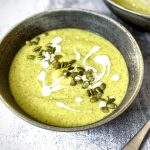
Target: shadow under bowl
{"points": [[71, 18], [138, 19]]}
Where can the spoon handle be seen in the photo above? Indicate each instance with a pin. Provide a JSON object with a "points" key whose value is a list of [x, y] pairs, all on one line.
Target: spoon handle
{"points": [[135, 143]]}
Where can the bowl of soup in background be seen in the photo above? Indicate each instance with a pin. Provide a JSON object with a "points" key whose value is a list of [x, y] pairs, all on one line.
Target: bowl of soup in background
{"points": [[71, 18], [131, 13]]}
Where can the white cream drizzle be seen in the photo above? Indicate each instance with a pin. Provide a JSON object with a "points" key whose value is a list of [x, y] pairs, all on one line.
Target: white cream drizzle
{"points": [[78, 56], [55, 43], [78, 99], [48, 89], [102, 104], [44, 64], [94, 50], [41, 76], [62, 105], [102, 60], [115, 77]]}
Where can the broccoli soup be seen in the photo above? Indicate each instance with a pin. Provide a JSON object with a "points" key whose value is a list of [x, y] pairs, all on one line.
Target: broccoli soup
{"points": [[141, 6], [68, 77]]}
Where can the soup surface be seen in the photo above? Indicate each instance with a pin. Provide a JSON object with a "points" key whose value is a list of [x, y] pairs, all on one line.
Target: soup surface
{"points": [[141, 6], [68, 77]]}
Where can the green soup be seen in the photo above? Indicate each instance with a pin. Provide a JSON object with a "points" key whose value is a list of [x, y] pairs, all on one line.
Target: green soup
{"points": [[141, 6], [68, 77]]}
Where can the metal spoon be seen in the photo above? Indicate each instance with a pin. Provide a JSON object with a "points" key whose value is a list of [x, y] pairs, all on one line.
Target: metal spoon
{"points": [[136, 141]]}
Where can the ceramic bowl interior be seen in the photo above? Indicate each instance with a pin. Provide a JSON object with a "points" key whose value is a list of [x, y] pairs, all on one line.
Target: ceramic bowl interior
{"points": [[138, 19], [70, 18]]}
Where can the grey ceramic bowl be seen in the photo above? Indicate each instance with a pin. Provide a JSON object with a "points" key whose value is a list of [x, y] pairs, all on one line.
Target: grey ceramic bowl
{"points": [[133, 17], [71, 18]]}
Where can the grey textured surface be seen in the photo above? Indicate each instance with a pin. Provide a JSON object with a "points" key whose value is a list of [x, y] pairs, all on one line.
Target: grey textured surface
{"points": [[16, 134]]}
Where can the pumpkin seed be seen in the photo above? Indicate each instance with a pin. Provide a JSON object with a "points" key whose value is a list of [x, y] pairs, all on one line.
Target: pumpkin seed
{"points": [[110, 100], [85, 85], [93, 100], [35, 41], [74, 74], [112, 106], [80, 69], [72, 61], [91, 78], [102, 86], [66, 73], [80, 81], [98, 90], [81, 73], [94, 91], [57, 57], [30, 57], [88, 92], [98, 95], [105, 109], [70, 68], [56, 65], [65, 64], [62, 64], [90, 71], [37, 49], [73, 82]]}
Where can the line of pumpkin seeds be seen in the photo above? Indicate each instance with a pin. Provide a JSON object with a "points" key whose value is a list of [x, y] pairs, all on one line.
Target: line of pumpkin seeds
{"points": [[95, 93]]}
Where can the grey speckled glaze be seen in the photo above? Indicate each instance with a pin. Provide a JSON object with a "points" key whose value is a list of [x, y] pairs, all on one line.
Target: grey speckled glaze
{"points": [[135, 18], [72, 18]]}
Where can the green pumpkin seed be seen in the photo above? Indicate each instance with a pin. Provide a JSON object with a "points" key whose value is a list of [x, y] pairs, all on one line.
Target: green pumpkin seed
{"points": [[80, 81], [80, 69], [105, 110], [102, 86], [70, 68], [85, 85], [98, 90], [37, 49], [98, 95], [62, 64], [90, 71], [88, 92], [66, 73], [72, 61], [94, 91], [112, 106], [73, 82], [91, 78], [57, 65], [57, 57], [93, 100], [35, 41], [81, 73], [65, 64], [31, 57], [91, 91], [110, 100], [74, 74]]}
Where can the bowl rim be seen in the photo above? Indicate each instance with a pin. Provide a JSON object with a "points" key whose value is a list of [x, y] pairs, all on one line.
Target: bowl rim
{"points": [[127, 10], [98, 123]]}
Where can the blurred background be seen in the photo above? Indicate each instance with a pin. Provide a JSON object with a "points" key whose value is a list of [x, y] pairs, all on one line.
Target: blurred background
{"points": [[16, 134]]}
